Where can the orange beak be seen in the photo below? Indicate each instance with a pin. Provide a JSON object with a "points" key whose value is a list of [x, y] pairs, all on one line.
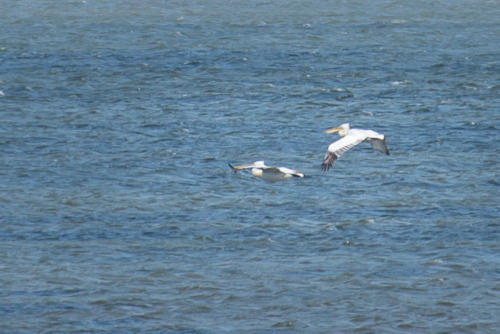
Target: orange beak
{"points": [[333, 130]]}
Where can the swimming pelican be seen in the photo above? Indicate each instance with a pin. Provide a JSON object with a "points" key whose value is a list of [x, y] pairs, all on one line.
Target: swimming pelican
{"points": [[259, 169], [351, 138]]}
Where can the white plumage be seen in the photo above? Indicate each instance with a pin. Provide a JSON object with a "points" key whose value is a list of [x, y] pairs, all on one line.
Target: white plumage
{"points": [[259, 169], [351, 138]]}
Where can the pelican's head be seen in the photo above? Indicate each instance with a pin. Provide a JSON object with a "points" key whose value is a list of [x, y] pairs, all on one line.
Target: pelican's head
{"points": [[258, 164], [343, 129]]}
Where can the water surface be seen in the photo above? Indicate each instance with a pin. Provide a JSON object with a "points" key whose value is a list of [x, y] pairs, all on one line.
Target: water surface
{"points": [[119, 212]]}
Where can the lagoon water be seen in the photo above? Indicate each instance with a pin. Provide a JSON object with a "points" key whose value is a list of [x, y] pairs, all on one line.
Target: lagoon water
{"points": [[119, 214]]}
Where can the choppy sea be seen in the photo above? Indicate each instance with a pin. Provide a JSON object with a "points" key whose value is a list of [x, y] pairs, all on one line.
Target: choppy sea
{"points": [[119, 213]]}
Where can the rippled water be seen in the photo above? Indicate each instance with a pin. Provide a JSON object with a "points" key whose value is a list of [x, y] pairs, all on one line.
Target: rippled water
{"points": [[118, 212]]}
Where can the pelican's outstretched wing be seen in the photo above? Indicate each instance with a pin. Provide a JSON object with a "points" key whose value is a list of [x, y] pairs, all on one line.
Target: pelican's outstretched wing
{"points": [[379, 145], [257, 164], [339, 147], [291, 172]]}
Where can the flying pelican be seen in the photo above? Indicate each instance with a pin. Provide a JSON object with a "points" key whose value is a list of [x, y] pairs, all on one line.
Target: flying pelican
{"points": [[351, 138], [259, 169]]}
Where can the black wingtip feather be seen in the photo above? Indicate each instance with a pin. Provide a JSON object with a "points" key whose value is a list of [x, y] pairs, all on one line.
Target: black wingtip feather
{"points": [[386, 149], [328, 161], [231, 166]]}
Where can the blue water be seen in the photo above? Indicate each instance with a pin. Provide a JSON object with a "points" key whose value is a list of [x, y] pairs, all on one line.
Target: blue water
{"points": [[119, 214]]}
